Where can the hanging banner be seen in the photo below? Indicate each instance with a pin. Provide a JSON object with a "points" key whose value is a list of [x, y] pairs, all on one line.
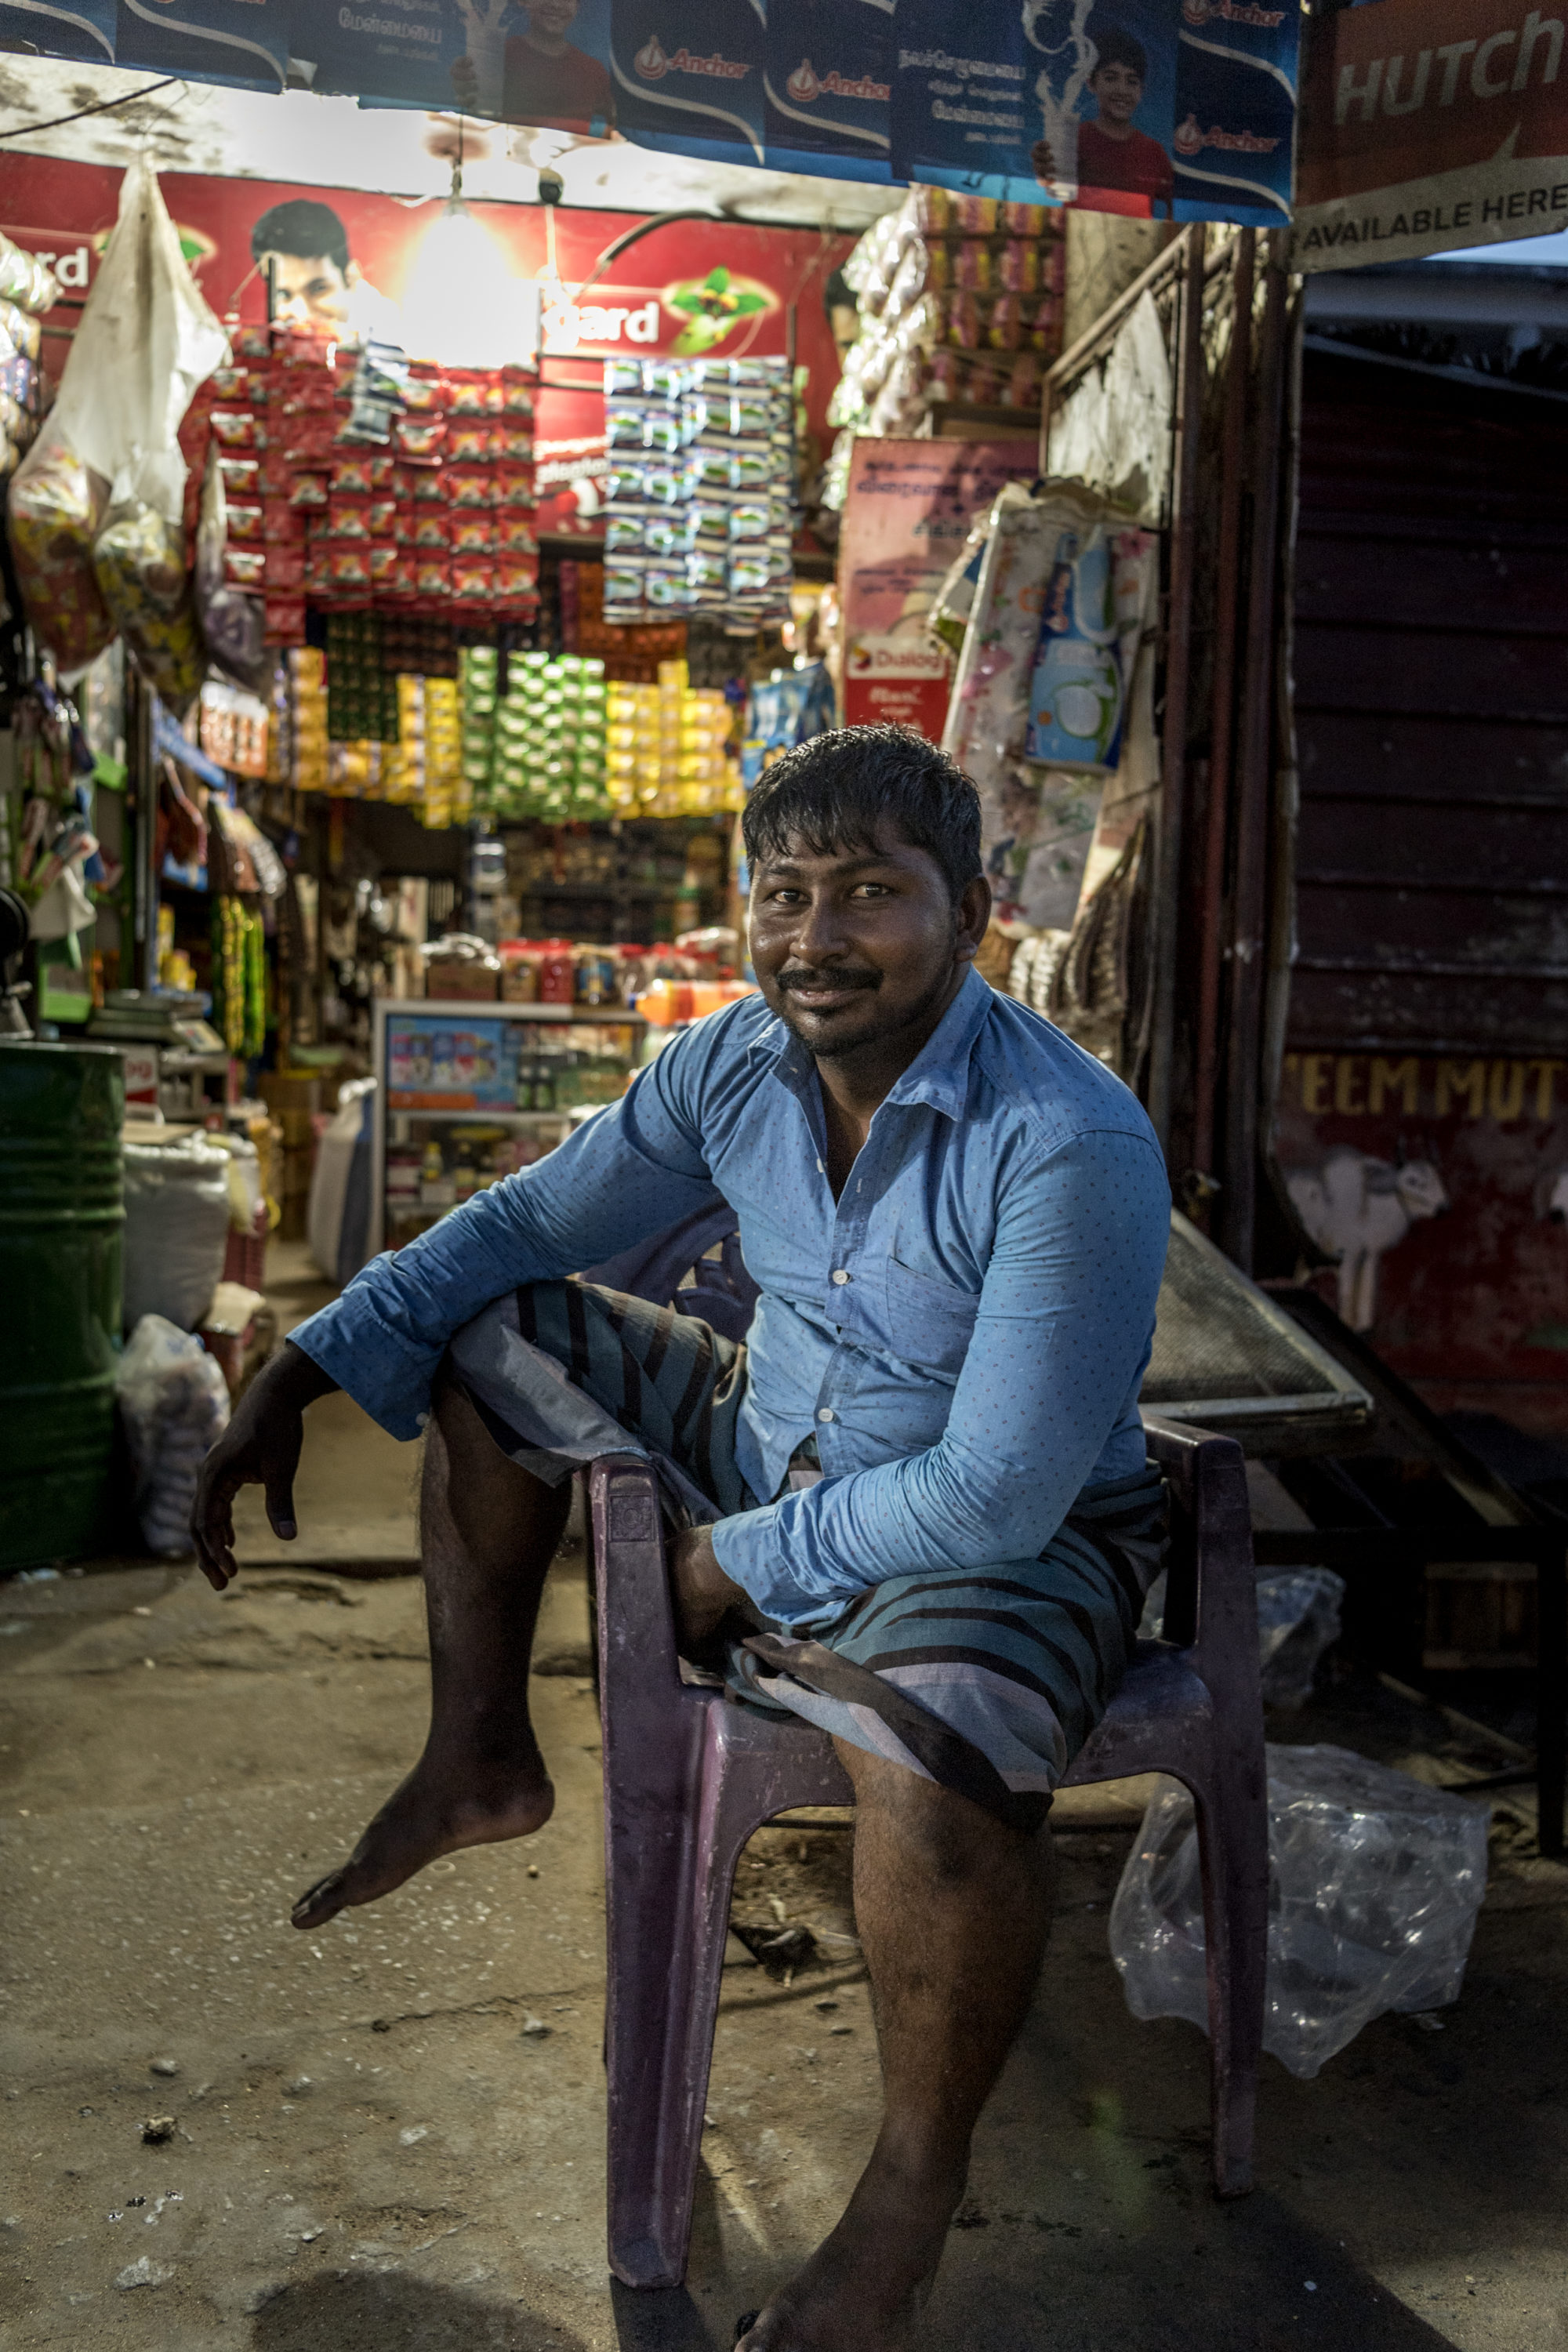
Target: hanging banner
{"points": [[689, 76], [241, 43], [828, 83], [547, 65], [85, 30], [906, 513], [1137, 107], [1428, 125]]}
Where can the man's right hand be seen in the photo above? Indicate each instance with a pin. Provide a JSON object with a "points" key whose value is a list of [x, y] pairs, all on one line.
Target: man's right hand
{"points": [[261, 1447]]}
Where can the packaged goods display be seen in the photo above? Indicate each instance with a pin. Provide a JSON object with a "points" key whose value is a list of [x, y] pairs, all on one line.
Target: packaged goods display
{"points": [[534, 744], [961, 298], [667, 748], [700, 491], [367, 483]]}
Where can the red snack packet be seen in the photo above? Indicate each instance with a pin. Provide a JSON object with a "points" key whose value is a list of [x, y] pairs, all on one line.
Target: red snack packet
{"points": [[467, 442], [383, 560], [517, 393], [425, 486], [514, 441], [384, 473], [253, 343], [348, 517], [514, 532], [241, 475], [469, 485], [308, 440], [285, 618], [473, 392], [382, 518], [353, 473], [227, 384], [309, 490], [432, 575], [432, 527], [349, 567], [234, 429], [420, 437], [245, 567], [425, 394], [473, 578], [473, 532], [274, 479], [307, 391], [281, 520], [514, 486], [516, 576], [245, 522], [284, 568]]}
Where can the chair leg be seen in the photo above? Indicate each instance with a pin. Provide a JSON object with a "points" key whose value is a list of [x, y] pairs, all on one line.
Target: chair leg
{"points": [[1233, 1853], [669, 1920]]}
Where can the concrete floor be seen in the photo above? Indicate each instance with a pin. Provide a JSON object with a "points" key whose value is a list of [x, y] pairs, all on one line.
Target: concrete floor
{"points": [[370, 2131]]}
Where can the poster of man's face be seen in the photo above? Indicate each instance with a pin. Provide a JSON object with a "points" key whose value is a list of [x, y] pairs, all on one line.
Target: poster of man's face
{"points": [[306, 247]]}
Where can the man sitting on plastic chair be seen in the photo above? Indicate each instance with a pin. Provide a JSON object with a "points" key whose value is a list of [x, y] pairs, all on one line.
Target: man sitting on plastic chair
{"points": [[914, 1509]]}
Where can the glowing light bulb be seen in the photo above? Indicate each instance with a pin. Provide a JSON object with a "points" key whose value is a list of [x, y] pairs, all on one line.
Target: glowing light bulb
{"points": [[465, 305]]}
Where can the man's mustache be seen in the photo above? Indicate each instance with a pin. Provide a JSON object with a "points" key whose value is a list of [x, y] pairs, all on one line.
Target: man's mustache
{"points": [[801, 976]]}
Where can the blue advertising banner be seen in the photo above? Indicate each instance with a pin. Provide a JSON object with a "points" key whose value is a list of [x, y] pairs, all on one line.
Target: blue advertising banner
{"points": [[542, 62], [1175, 110], [689, 76], [85, 30], [241, 43], [828, 85]]}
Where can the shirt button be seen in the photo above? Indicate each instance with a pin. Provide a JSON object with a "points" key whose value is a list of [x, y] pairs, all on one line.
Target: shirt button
{"points": [[839, 1275], [826, 1413]]}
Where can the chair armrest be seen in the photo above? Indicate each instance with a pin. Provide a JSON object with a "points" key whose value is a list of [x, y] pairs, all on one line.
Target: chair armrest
{"points": [[1211, 1590], [637, 1622]]}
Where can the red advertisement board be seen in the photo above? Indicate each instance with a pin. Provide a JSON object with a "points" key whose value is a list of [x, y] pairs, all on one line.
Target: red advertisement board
{"points": [[909, 509], [1428, 125], [644, 305]]}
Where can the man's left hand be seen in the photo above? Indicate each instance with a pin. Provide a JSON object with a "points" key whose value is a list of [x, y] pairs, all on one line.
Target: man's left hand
{"points": [[702, 1592]]}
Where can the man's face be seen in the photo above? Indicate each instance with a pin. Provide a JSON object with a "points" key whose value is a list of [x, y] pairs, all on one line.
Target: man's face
{"points": [[552, 17], [854, 946], [1120, 91], [313, 291]]}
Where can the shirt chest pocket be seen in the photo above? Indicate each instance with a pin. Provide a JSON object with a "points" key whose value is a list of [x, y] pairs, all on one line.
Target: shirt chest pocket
{"points": [[928, 1322]]}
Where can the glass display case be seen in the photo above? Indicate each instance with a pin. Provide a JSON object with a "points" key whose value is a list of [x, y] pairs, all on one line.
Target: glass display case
{"points": [[468, 1093]]}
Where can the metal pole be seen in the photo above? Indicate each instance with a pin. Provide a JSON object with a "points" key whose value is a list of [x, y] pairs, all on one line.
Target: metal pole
{"points": [[1254, 767], [1223, 721], [1178, 664], [1552, 1698]]}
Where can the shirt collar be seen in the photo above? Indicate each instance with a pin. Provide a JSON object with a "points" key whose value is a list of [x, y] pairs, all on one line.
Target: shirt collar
{"points": [[939, 1075]]}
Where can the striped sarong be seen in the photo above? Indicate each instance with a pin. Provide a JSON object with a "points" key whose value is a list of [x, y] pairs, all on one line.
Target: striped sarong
{"points": [[988, 1680]]}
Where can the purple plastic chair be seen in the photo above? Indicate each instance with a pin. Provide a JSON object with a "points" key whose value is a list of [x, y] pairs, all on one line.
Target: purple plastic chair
{"points": [[688, 1776]]}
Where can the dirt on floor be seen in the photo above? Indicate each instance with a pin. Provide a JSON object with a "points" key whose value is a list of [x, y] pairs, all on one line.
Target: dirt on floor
{"points": [[219, 2133]]}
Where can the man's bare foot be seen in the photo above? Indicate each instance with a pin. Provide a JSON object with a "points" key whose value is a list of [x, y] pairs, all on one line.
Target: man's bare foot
{"points": [[866, 2286], [440, 1808]]}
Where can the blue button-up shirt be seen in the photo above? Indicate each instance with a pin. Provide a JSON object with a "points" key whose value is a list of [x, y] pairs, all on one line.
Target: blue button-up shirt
{"points": [[963, 1331]]}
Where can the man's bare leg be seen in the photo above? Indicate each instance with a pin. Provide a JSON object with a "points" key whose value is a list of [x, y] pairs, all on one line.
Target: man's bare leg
{"points": [[952, 1910], [487, 1532]]}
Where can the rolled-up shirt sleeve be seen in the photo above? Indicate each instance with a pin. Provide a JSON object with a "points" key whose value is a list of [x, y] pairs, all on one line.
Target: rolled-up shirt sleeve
{"points": [[1062, 1334], [624, 1175]]}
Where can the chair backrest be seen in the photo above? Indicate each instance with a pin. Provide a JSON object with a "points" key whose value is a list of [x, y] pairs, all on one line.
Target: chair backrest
{"points": [[721, 1290]]}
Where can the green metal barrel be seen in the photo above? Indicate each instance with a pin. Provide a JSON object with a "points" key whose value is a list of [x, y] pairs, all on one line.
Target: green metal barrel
{"points": [[61, 1217]]}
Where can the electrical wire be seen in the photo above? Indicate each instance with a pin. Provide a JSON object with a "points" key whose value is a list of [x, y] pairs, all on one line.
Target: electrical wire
{"points": [[104, 106]]}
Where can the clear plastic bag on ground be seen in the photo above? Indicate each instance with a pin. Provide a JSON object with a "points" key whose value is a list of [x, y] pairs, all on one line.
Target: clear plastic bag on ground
{"points": [[1374, 1883], [175, 1405], [1298, 1623], [176, 1227]]}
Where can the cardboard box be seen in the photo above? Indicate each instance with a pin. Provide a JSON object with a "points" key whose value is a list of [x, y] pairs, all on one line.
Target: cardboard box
{"points": [[463, 983]]}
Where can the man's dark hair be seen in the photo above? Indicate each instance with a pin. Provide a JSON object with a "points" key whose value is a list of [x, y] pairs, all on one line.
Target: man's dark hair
{"points": [[838, 790], [303, 228], [1114, 46]]}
